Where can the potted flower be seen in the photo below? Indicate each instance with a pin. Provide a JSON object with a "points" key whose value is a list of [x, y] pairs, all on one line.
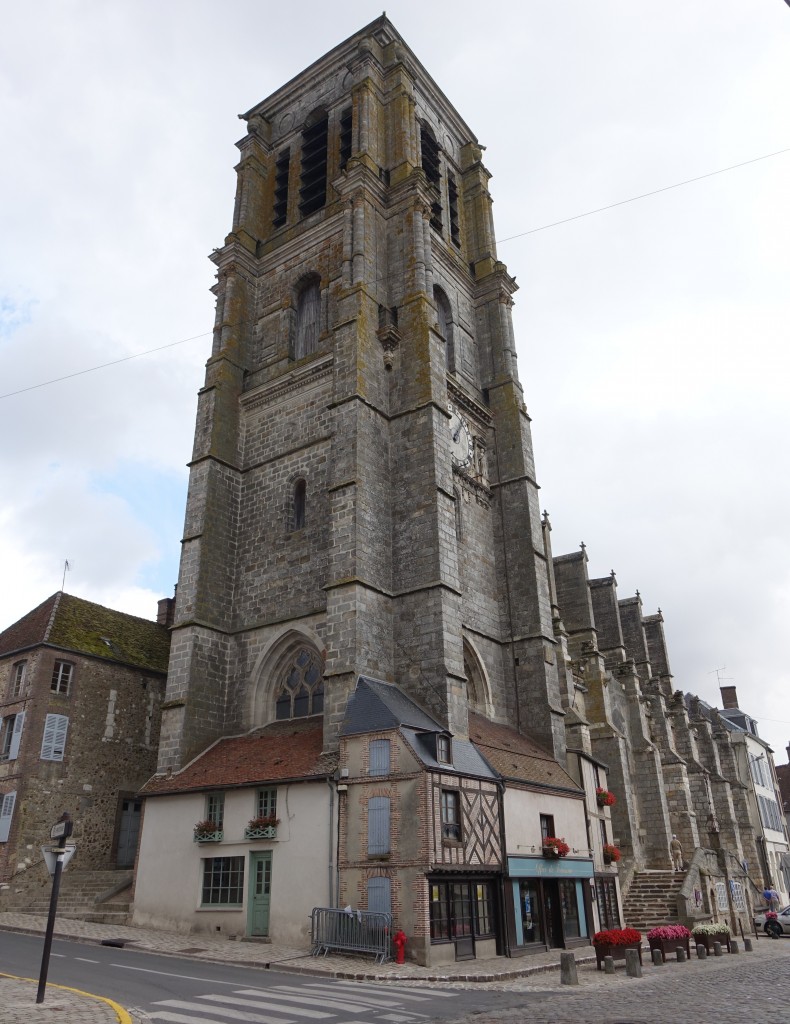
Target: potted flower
{"points": [[207, 831], [604, 798], [264, 827], [614, 942], [611, 854], [668, 937], [553, 847], [714, 931]]}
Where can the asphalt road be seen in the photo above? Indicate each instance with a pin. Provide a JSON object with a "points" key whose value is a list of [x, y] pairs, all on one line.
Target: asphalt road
{"points": [[188, 991]]}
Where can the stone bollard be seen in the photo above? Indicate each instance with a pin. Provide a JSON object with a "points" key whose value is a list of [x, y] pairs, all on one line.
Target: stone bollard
{"points": [[702, 951], [633, 968], [568, 974], [734, 947], [608, 965], [658, 957], [717, 949], [681, 952], [747, 945]]}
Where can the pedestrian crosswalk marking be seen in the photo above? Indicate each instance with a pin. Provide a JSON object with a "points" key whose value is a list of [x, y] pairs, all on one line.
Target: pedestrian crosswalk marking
{"points": [[254, 1018], [402, 993], [347, 1005], [269, 1005], [181, 1018], [359, 998], [396, 993]]}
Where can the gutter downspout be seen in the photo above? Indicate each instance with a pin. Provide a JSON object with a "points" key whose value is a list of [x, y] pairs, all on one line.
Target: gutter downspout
{"points": [[331, 866]]}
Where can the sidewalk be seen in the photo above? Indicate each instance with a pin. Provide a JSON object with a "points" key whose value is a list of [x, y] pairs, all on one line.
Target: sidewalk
{"points": [[221, 949], [18, 1001]]}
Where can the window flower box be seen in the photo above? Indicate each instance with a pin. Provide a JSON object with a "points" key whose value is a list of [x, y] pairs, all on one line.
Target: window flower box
{"points": [[553, 847], [611, 854], [604, 798], [262, 828], [614, 942], [668, 938], [207, 832]]}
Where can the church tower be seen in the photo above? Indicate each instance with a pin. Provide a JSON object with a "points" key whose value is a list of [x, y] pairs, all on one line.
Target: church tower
{"points": [[362, 494]]}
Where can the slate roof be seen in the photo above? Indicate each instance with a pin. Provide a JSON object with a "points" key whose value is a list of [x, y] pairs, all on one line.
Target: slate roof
{"points": [[83, 627], [289, 750], [516, 757], [466, 759], [375, 706]]}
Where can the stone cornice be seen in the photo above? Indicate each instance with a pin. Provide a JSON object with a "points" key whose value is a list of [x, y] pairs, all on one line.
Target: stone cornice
{"points": [[305, 377]]}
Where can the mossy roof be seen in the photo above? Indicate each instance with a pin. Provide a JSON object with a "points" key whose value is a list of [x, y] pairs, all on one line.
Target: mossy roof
{"points": [[77, 625]]}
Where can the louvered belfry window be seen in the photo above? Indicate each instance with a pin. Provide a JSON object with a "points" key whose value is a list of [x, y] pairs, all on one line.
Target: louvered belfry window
{"points": [[345, 137], [452, 196], [281, 171], [312, 192], [429, 157]]}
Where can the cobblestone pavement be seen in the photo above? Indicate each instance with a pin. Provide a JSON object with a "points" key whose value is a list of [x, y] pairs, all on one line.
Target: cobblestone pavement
{"points": [[18, 1006]]}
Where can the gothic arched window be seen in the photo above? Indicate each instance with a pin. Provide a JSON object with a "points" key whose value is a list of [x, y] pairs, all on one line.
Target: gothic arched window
{"points": [[308, 308], [444, 319], [301, 692]]}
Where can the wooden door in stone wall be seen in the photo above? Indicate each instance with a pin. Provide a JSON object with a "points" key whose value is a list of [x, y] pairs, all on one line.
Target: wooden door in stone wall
{"points": [[128, 832]]}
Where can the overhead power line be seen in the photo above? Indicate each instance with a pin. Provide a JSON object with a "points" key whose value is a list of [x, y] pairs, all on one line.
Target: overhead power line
{"points": [[500, 241]]}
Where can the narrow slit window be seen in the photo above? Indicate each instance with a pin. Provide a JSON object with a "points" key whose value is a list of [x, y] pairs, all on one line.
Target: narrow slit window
{"points": [[452, 198], [308, 309], [300, 504]]}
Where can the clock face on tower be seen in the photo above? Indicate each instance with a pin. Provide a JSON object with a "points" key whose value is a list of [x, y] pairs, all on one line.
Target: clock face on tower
{"points": [[461, 445]]}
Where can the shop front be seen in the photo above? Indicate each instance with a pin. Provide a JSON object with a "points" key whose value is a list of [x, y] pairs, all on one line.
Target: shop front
{"points": [[549, 903]]}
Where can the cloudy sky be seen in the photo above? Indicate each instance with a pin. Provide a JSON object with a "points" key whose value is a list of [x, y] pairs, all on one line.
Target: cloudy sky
{"points": [[652, 337]]}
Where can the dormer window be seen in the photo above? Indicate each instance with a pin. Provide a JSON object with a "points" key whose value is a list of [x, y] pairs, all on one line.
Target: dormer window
{"points": [[443, 750]]}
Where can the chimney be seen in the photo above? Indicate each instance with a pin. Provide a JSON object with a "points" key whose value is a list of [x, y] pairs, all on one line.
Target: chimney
{"points": [[166, 611], [729, 696]]}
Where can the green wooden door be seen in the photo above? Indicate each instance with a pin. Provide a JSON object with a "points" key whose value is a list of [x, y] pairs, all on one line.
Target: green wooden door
{"points": [[260, 893]]}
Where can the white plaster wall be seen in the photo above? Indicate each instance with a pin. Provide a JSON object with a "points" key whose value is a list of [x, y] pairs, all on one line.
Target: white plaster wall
{"points": [[522, 822], [169, 870]]}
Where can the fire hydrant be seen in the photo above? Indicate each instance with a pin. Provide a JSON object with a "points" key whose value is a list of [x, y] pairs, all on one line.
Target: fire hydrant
{"points": [[399, 942]]}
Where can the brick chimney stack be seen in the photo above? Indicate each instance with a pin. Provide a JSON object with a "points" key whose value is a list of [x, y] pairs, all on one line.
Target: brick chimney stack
{"points": [[729, 697], [166, 611]]}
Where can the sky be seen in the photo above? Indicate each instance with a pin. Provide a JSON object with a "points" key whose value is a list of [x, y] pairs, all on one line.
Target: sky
{"points": [[652, 337]]}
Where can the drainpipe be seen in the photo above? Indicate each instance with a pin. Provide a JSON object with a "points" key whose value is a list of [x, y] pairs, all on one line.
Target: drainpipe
{"points": [[330, 783]]}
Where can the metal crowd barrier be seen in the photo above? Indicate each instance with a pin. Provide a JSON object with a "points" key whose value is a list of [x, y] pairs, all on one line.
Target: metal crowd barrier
{"points": [[351, 931]]}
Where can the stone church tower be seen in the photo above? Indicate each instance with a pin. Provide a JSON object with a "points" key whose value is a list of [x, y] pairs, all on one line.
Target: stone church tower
{"points": [[362, 496]]}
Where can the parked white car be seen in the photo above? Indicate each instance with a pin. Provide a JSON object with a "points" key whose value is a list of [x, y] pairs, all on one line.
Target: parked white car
{"points": [[782, 919]]}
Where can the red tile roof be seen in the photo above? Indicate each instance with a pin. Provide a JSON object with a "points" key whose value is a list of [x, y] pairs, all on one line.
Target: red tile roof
{"points": [[282, 750], [517, 757]]}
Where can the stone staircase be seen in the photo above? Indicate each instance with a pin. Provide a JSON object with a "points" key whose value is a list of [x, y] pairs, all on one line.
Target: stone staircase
{"points": [[100, 896], [651, 899]]}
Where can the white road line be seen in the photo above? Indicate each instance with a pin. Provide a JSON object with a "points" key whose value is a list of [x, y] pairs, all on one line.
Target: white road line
{"points": [[276, 993], [255, 1018], [386, 998], [167, 974], [268, 1005], [402, 992], [182, 1018], [85, 960], [377, 991], [397, 1018], [61, 956]]}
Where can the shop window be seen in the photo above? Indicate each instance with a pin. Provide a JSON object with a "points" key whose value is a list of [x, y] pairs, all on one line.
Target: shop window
{"points": [[460, 909], [606, 897], [61, 677], [223, 882], [451, 815], [529, 907], [379, 757], [569, 908]]}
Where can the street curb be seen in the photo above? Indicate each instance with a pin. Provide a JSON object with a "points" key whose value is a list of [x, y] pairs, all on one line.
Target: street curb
{"points": [[123, 1016], [343, 975]]}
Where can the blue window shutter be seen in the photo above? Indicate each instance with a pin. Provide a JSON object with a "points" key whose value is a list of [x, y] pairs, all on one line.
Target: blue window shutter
{"points": [[379, 825], [379, 757], [53, 744], [379, 896], [17, 736], [6, 813]]}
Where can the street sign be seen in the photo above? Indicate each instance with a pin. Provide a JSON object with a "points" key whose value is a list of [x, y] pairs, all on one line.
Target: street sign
{"points": [[50, 857], [61, 830]]}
